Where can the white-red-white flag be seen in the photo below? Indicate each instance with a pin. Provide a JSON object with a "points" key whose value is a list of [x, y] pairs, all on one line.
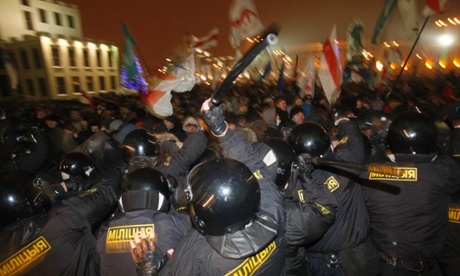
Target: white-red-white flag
{"points": [[306, 81], [409, 14], [330, 71], [181, 79], [207, 41], [244, 21]]}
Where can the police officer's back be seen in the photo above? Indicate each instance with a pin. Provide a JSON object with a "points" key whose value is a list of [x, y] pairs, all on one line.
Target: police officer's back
{"points": [[144, 204], [342, 246], [408, 210], [39, 240]]}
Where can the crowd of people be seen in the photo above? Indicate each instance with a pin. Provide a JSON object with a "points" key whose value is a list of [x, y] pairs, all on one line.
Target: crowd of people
{"points": [[266, 183]]}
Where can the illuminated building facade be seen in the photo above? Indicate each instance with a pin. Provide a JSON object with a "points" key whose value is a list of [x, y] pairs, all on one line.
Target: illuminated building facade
{"points": [[51, 58]]}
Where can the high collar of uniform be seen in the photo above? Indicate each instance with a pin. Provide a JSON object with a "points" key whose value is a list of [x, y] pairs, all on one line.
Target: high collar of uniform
{"points": [[248, 241], [415, 158]]}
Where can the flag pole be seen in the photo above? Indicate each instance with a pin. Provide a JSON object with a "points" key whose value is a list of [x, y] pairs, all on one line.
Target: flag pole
{"points": [[143, 60], [139, 52], [295, 67], [410, 53]]}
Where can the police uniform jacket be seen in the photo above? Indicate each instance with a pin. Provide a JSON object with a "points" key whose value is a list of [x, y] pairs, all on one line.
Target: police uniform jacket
{"points": [[408, 212], [192, 148], [351, 219], [61, 241], [114, 236], [450, 257], [195, 256], [310, 212]]}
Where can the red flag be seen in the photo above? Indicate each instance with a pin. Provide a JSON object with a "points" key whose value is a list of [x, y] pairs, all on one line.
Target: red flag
{"points": [[208, 41], [244, 21], [434, 7], [329, 71]]}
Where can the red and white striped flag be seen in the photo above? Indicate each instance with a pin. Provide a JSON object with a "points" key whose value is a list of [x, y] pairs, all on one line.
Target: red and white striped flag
{"points": [[434, 7], [330, 71], [181, 79], [208, 41], [244, 21]]}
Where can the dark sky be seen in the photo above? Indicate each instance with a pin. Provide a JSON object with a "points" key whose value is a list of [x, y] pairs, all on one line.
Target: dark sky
{"points": [[159, 26]]}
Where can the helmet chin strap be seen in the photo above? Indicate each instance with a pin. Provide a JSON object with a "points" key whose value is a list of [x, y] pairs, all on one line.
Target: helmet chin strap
{"points": [[65, 176], [120, 205], [161, 200]]}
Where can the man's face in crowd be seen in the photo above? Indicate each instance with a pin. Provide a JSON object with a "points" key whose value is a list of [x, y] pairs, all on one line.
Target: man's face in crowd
{"points": [[282, 105], [298, 118], [191, 128], [51, 124], [84, 124], [168, 124], [94, 128], [41, 114]]}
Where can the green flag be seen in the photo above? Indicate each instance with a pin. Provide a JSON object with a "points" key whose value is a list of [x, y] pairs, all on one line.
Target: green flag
{"points": [[128, 56], [387, 9]]}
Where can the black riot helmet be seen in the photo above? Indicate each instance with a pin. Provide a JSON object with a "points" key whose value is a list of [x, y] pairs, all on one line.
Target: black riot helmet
{"points": [[309, 138], [76, 164], [224, 196], [209, 154], [20, 198], [12, 136], [412, 133], [139, 142], [285, 155], [145, 188], [24, 148]]}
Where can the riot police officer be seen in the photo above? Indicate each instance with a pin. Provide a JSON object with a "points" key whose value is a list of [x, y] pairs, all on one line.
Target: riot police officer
{"points": [[236, 208], [408, 210], [36, 239], [144, 206], [341, 248]]}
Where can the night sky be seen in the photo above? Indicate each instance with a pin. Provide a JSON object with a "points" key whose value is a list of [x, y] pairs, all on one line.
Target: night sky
{"points": [[159, 26]]}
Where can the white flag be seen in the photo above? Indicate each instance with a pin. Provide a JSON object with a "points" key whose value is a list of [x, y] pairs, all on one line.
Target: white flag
{"points": [[244, 21], [185, 75], [409, 14]]}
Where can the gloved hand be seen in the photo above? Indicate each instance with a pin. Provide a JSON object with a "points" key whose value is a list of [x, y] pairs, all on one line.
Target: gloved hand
{"points": [[305, 167], [215, 119], [76, 184], [149, 261]]}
